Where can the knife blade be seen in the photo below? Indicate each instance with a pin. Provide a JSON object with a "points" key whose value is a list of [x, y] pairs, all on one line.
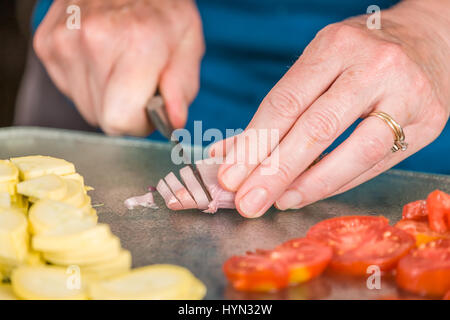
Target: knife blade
{"points": [[157, 115]]}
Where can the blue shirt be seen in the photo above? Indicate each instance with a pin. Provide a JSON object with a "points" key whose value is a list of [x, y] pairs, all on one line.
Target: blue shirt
{"points": [[251, 44]]}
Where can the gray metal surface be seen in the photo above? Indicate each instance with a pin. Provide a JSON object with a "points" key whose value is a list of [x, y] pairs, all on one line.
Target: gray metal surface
{"points": [[119, 168]]}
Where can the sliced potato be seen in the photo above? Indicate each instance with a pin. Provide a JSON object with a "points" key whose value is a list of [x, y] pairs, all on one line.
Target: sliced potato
{"points": [[46, 283], [6, 292], [37, 166], [156, 282], [51, 187], [71, 236], [107, 250], [46, 215], [13, 235], [8, 171]]}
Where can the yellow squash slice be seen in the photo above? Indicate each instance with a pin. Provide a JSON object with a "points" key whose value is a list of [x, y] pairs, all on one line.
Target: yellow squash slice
{"points": [[114, 267], [9, 187], [37, 166], [121, 262], [46, 215], [71, 236], [5, 200], [76, 177], [6, 292], [156, 282], [8, 171], [51, 187], [197, 291], [106, 250], [76, 194], [47, 283], [13, 235]]}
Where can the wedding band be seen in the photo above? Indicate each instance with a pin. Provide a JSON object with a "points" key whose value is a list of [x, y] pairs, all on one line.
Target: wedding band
{"points": [[399, 135]]}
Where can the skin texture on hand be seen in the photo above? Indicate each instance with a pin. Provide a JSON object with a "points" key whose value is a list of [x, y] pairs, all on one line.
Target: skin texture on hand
{"points": [[347, 72], [123, 51]]}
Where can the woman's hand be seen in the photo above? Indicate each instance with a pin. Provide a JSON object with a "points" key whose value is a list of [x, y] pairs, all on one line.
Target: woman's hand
{"points": [[123, 51], [347, 72]]}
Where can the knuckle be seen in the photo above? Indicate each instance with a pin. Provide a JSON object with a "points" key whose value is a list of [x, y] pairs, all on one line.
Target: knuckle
{"points": [[340, 33], [94, 33], [114, 123], [284, 173], [40, 44], [285, 103], [322, 185], [61, 42], [391, 54], [373, 150], [322, 126]]}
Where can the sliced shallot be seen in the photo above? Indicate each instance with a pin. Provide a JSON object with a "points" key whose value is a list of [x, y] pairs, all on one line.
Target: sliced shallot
{"points": [[180, 191], [221, 199], [194, 187], [169, 198], [145, 201]]}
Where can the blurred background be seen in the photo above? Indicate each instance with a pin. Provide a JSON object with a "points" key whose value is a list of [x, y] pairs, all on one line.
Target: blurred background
{"points": [[14, 35]]}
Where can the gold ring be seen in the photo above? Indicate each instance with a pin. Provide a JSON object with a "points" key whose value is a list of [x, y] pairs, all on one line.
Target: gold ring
{"points": [[399, 135]]}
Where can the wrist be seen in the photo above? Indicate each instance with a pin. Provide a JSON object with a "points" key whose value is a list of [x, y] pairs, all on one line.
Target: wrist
{"points": [[423, 28]]}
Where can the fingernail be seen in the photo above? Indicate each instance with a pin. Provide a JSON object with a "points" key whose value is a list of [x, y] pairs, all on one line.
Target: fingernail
{"points": [[253, 202], [233, 176], [289, 200]]}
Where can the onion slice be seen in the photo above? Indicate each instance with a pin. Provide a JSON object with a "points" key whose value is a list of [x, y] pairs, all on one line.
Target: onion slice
{"points": [[145, 201], [180, 192], [192, 184], [169, 198], [221, 199]]}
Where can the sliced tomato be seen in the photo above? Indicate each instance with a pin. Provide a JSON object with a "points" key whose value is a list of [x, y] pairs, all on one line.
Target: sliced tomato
{"points": [[256, 272], [447, 296], [305, 258], [426, 270], [438, 206], [421, 231], [416, 210], [361, 241]]}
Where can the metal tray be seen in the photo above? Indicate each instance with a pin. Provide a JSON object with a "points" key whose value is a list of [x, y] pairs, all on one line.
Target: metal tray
{"points": [[122, 167]]}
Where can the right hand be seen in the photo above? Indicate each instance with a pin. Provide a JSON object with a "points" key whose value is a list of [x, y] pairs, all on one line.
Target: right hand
{"points": [[122, 53]]}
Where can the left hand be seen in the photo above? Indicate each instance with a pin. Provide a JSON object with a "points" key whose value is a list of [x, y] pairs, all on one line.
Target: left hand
{"points": [[347, 72]]}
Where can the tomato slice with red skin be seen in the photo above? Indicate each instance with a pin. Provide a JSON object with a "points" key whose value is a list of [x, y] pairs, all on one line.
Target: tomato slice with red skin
{"points": [[447, 296], [426, 270], [421, 231], [362, 241], [306, 258], [438, 206], [256, 272], [416, 210]]}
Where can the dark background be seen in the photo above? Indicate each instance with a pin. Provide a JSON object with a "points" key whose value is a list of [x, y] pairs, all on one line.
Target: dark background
{"points": [[14, 36]]}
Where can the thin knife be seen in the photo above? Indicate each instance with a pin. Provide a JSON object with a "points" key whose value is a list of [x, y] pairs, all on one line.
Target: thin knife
{"points": [[157, 115]]}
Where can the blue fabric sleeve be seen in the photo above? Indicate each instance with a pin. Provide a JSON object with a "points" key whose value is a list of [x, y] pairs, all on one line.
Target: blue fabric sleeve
{"points": [[251, 44]]}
